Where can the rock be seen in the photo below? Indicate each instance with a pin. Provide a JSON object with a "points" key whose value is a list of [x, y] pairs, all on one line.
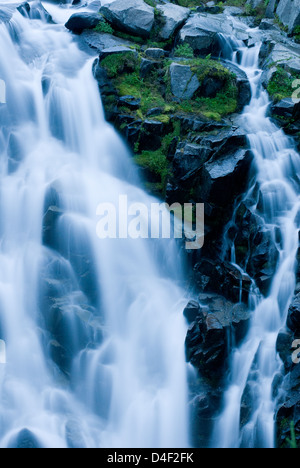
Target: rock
{"points": [[192, 311], [267, 25], [130, 102], [255, 3], [25, 439], [284, 56], [201, 32], [184, 83], [133, 16], [151, 135], [207, 342], [173, 17], [233, 11], [285, 108], [293, 320], [284, 348], [81, 21], [222, 278], [188, 159], [223, 179], [148, 66], [270, 11], [155, 53], [243, 85], [36, 11], [116, 50], [288, 12], [100, 41]]}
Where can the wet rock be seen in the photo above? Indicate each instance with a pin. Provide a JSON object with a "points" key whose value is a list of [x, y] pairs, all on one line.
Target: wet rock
{"points": [[293, 320], [214, 276], [173, 17], [192, 311], [133, 16], [130, 102], [286, 108], [151, 135], [148, 66], [184, 82], [201, 33], [225, 178], [286, 56], [243, 85], [117, 50], [36, 11], [81, 21], [207, 342], [25, 439]]}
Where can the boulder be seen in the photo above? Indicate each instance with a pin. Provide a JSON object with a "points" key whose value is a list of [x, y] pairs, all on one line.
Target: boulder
{"points": [[173, 17], [155, 53], [284, 56], [201, 32], [293, 320], [288, 12], [225, 178], [286, 108], [117, 50], [208, 338], [184, 83], [100, 41], [270, 11], [25, 439], [36, 11], [133, 16], [81, 21], [243, 85], [222, 278]]}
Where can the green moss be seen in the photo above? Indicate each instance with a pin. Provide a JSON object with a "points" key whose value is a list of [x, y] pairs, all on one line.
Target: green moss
{"points": [[184, 50], [296, 34], [104, 27], [117, 64], [281, 85]]}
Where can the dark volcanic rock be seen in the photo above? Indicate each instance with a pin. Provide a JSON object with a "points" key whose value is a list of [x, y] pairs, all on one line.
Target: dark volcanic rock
{"points": [[207, 342], [81, 21], [293, 321]]}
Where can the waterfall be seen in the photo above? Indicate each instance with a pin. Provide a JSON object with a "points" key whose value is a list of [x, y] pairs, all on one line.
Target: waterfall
{"points": [[93, 328], [255, 364]]}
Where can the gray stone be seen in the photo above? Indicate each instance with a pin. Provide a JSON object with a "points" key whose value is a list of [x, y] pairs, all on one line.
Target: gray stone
{"points": [[155, 53], [288, 12], [81, 21], [100, 41], [132, 16], [233, 11], [184, 83], [173, 18], [267, 25], [255, 3], [202, 31], [286, 57], [116, 50], [270, 11]]}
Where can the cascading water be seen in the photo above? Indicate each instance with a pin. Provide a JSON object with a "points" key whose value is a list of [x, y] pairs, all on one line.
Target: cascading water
{"points": [[92, 327], [255, 363]]}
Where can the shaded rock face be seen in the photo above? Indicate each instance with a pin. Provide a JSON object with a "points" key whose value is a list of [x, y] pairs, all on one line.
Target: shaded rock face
{"points": [[35, 10], [183, 82], [81, 21], [216, 322], [173, 17], [25, 439], [288, 12], [132, 16]]}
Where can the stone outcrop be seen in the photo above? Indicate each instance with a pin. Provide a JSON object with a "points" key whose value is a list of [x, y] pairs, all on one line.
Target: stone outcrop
{"points": [[132, 16], [288, 12]]}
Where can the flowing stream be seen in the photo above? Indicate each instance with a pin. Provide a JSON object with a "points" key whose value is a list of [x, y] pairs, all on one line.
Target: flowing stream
{"points": [[255, 363], [93, 328]]}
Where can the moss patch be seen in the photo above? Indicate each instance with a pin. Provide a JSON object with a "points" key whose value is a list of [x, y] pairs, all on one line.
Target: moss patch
{"points": [[281, 85]]}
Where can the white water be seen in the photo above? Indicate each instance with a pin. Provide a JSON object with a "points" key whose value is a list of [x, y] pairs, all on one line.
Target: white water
{"points": [[127, 375], [256, 361]]}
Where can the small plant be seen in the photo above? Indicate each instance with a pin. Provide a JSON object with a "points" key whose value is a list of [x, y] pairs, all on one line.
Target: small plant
{"points": [[297, 34], [293, 440], [104, 27], [184, 50]]}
